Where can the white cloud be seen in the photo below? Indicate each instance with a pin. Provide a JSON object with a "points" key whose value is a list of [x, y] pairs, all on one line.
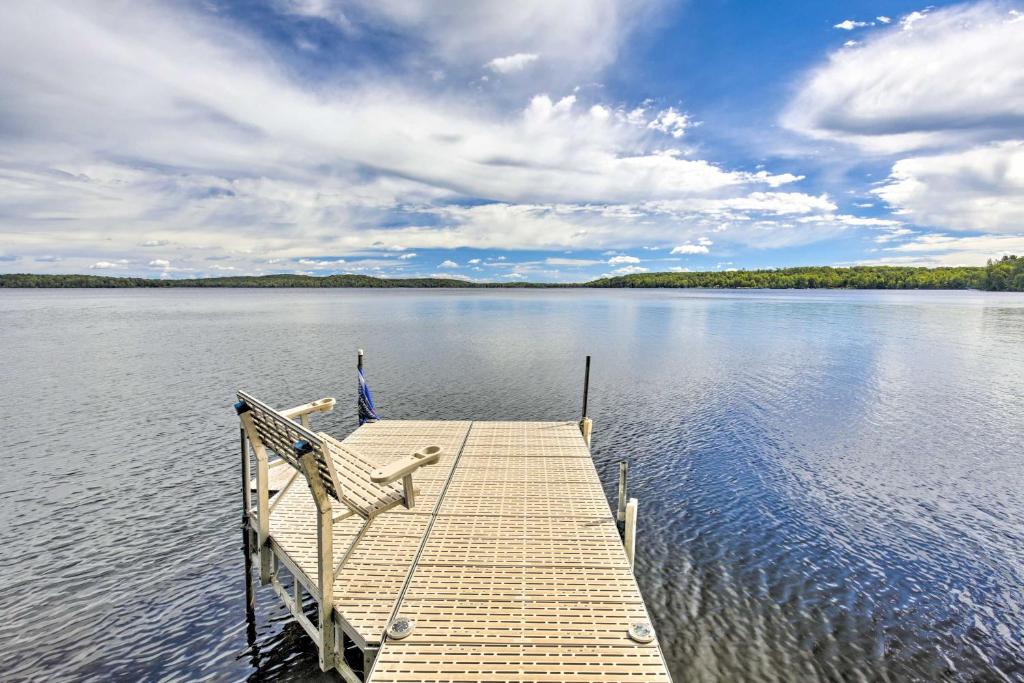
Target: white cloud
{"points": [[573, 262], [942, 250], [627, 270], [512, 63], [944, 89], [882, 19], [691, 249], [451, 276], [908, 21], [160, 263], [760, 219], [979, 189], [406, 257], [894, 234], [774, 180], [473, 261], [448, 264], [950, 76], [220, 139], [854, 221], [222, 152], [994, 245], [623, 259], [671, 122], [850, 24], [775, 203], [579, 38], [103, 265]]}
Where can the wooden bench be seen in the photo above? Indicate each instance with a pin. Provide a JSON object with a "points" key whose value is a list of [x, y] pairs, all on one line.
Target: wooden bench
{"points": [[335, 474]]}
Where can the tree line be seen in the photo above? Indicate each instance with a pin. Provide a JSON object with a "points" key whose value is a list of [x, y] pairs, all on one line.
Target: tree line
{"points": [[866, 277], [330, 281], [1003, 275], [1006, 274]]}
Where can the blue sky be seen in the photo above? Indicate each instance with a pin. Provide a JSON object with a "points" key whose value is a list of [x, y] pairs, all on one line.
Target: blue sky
{"points": [[542, 140]]}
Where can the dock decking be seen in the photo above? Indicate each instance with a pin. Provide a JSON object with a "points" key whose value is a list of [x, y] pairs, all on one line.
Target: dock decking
{"points": [[509, 565]]}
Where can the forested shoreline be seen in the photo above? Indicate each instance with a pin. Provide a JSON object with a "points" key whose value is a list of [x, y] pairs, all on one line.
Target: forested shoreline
{"points": [[1005, 274]]}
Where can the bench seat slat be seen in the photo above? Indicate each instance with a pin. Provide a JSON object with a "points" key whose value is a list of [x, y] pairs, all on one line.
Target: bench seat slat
{"points": [[357, 491]]}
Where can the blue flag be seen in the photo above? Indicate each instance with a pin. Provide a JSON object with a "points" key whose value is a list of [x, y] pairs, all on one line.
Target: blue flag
{"points": [[367, 411]]}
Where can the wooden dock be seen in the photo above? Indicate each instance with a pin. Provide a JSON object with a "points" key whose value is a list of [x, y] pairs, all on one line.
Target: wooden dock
{"points": [[508, 566]]}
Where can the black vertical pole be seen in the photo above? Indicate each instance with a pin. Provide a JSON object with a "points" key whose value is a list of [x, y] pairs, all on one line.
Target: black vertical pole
{"points": [[359, 389], [586, 386], [246, 496], [250, 594]]}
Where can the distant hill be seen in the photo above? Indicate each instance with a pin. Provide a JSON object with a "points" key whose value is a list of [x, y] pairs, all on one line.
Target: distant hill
{"points": [[861, 277], [328, 281], [1006, 274]]}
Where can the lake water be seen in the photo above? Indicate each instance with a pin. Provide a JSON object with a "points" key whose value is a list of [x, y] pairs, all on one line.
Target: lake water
{"points": [[830, 483]]}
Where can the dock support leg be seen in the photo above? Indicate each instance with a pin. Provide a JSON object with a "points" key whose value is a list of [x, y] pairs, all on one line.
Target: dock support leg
{"points": [[262, 496], [250, 594], [586, 427], [246, 479], [324, 533], [263, 515], [369, 656], [329, 658], [631, 531], [620, 514], [586, 424], [409, 491]]}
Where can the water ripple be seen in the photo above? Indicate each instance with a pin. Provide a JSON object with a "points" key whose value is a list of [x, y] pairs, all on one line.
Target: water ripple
{"points": [[830, 482]]}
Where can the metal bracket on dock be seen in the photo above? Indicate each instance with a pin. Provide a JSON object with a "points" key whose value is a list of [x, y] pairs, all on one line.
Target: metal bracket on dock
{"points": [[620, 514], [630, 533]]}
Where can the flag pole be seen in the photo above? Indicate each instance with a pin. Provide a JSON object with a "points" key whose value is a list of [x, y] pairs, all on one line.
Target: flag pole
{"points": [[359, 405], [365, 409]]}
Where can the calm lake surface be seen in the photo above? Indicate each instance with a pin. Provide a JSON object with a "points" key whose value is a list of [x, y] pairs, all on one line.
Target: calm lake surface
{"points": [[830, 483]]}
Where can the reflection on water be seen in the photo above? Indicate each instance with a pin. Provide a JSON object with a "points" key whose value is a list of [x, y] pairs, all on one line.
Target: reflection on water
{"points": [[830, 483]]}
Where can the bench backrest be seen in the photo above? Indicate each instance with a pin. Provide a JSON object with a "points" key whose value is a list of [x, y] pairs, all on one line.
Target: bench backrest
{"points": [[280, 435]]}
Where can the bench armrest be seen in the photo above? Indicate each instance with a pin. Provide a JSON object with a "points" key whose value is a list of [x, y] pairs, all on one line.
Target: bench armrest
{"points": [[324, 405], [406, 466]]}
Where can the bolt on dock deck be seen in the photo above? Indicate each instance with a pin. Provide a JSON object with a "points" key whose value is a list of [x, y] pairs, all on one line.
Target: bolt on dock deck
{"points": [[507, 567]]}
